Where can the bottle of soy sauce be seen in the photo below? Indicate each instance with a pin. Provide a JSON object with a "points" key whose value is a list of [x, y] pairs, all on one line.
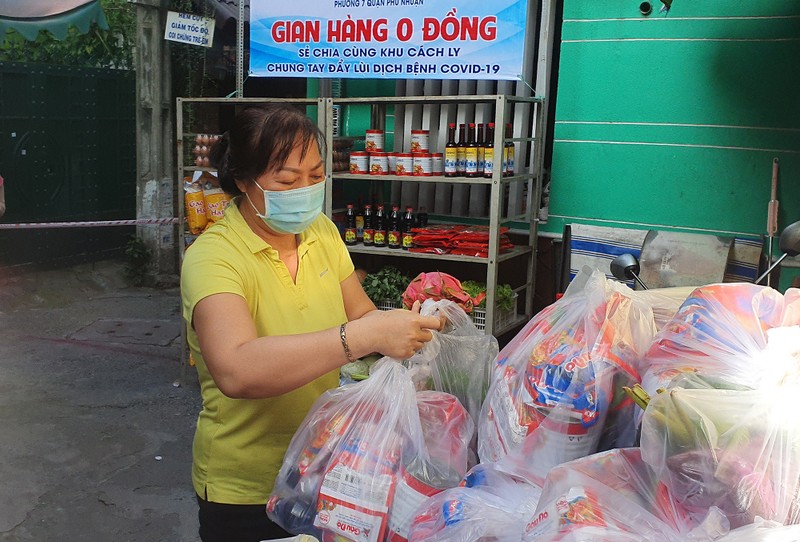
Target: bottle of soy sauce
{"points": [[408, 224], [422, 217], [393, 234], [480, 141], [471, 153], [508, 152], [461, 150], [369, 231], [379, 238], [488, 153], [350, 225], [451, 152]]}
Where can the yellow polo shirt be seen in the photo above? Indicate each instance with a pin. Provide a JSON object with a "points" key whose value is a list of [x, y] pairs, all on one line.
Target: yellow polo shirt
{"points": [[239, 443]]}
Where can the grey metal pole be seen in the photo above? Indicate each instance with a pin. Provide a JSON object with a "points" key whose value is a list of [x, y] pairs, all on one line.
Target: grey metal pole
{"points": [[240, 51]]}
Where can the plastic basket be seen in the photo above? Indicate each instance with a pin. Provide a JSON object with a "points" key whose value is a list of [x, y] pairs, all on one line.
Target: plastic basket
{"points": [[502, 317], [387, 305]]}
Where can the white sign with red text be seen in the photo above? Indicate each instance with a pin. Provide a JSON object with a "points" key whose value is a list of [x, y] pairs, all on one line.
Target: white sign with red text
{"points": [[392, 39]]}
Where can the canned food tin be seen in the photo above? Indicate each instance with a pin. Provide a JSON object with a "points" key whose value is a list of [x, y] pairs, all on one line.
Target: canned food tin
{"points": [[378, 163], [438, 163], [420, 141], [404, 163], [374, 141], [359, 162], [392, 163], [423, 164]]}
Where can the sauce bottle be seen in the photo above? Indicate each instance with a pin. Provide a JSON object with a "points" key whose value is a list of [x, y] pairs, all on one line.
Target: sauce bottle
{"points": [[379, 238], [393, 234]]}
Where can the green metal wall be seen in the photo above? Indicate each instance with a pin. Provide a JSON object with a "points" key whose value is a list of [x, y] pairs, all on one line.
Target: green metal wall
{"points": [[673, 121], [67, 153]]}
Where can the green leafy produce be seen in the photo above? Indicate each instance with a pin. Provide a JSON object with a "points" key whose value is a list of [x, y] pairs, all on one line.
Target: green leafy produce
{"points": [[504, 295], [387, 284], [361, 368]]}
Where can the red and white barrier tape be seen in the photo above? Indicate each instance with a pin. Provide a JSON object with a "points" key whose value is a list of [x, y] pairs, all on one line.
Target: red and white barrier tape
{"points": [[89, 224]]}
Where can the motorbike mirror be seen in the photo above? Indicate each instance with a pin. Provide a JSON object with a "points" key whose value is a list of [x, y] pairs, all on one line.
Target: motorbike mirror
{"points": [[626, 267], [790, 246]]}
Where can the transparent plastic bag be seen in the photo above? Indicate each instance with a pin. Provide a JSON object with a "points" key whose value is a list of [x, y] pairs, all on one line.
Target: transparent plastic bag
{"points": [[555, 384], [611, 496], [367, 455], [734, 451], [763, 531], [721, 332], [458, 360], [488, 505]]}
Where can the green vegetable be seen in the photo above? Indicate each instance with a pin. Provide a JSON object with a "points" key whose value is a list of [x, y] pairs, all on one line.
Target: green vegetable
{"points": [[503, 296], [387, 284], [474, 289]]}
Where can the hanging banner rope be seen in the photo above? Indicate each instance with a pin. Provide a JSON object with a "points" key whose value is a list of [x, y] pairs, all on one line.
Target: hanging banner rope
{"points": [[90, 224]]}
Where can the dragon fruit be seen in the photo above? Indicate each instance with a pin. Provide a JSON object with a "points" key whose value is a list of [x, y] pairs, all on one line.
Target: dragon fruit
{"points": [[437, 286]]}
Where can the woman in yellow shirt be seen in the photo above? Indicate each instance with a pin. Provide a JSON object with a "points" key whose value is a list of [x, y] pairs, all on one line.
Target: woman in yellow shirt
{"points": [[273, 309]]}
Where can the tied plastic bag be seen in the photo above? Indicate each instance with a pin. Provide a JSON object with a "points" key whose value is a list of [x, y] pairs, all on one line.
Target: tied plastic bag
{"points": [[489, 504], [457, 360], [612, 496], [558, 380], [366, 455], [721, 332], [736, 452]]}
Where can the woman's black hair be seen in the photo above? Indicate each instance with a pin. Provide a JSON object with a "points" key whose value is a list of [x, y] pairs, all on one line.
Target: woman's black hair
{"points": [[261, 139]]}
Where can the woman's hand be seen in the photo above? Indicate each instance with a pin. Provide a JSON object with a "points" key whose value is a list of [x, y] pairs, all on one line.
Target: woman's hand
{"points": [[398, 333]]}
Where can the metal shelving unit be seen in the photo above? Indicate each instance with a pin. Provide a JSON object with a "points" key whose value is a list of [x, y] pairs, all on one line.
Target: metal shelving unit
{"points": [[497, 184]]}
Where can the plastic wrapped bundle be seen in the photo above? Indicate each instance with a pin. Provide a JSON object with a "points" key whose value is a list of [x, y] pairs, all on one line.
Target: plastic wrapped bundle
{"points": [[557, 381], [488, 505], [721, 332], [613, 496], [367, 455], [736, 452]]}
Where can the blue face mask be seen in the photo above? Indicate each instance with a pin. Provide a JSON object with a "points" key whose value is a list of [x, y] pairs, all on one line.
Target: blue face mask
{"points": [[291, 211]]}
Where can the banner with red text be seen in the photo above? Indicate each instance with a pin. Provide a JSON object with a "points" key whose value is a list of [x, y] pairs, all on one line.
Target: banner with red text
{"points": [[393, 39]]}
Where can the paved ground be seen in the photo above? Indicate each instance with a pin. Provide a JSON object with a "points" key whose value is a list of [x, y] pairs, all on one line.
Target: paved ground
{"points": [[95, 440]]}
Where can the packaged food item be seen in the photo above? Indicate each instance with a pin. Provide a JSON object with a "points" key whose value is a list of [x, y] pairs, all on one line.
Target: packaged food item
{"points": [[216, 201], [374, 141], [378, 163], [404, 164], [438, 163], [423, 164], [359, 162], [194, 206], [420, 141]]}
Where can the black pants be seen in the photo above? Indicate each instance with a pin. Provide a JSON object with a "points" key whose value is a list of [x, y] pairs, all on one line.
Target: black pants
{"points": [[236, 523]]}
